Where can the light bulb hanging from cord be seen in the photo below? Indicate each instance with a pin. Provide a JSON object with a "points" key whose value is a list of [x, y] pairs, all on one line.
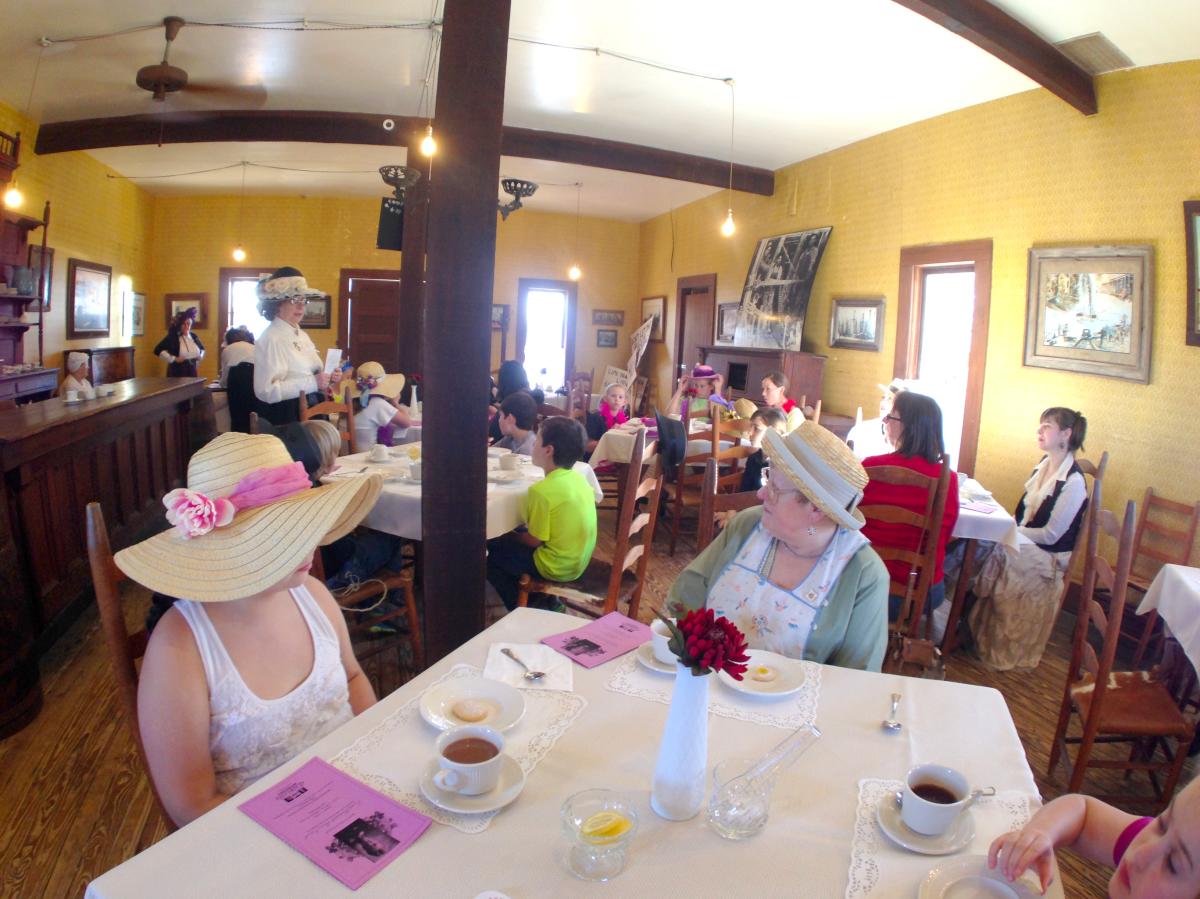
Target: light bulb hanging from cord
{"points": [[428, 144], [13, 198], [728, 227], [574, 272], [239, 253]]}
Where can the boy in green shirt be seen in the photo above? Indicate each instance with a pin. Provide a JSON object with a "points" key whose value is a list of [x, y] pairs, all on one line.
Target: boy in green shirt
{"points": [[560, 517]]}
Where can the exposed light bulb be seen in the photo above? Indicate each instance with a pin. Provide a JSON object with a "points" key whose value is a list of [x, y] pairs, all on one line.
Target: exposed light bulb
{"points": [[239, 255], [574, 273], [428, 144], [728, 227], [13, 198]]}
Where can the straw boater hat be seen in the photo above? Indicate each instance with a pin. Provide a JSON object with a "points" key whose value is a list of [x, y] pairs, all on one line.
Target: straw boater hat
{"points": [[370, 379], [247, 519], [823, 468], [745, 408]]}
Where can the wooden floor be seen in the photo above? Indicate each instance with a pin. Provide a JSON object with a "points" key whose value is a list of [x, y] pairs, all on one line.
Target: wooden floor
{"points": [[75, 801]]}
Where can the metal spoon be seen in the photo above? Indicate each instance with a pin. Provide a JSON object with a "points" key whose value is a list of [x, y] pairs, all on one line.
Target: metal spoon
{"points": [[890, 724], [530, 674]]}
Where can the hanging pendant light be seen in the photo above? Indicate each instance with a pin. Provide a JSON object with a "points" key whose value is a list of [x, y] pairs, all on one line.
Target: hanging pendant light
{"points": [[428, 144], [239, 252], [13, 198], [574, 272], [728, 227]]}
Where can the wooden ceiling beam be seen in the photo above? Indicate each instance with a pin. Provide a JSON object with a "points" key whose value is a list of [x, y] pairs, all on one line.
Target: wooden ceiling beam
{"points": [[1013, 43], [370, 130]]}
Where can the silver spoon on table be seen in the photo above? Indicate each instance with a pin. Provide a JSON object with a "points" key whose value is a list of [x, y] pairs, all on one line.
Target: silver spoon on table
{"points": [[890, 724], [530, 674]]}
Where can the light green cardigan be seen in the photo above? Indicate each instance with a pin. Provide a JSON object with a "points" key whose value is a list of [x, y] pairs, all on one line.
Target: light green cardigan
{"points": [[850, 631]]}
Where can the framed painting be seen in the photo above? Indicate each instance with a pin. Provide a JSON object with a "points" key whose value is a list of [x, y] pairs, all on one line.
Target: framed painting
{"points": [[181, 302], [656, 308], [1191, 227], [35, 263], [1089, 310], [137, 314], [608, 317], [857, 324], [606, 337], [316, 314], [727, 314], [88, 290]]}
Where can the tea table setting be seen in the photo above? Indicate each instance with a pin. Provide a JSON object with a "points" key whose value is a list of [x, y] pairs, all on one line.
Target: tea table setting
{"points": [[543, 756]]}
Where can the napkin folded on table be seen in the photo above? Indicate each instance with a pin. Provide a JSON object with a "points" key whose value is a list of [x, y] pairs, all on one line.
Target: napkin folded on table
{"points": [[560, 674]]}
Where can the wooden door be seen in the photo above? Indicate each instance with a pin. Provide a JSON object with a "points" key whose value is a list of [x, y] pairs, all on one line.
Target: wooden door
{"points": [[696, 307], [369, 318]]}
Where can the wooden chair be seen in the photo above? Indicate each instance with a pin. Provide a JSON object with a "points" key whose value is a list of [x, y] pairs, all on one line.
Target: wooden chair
{"points": [[124, 648], [579, 390], [253, 426], [603, 584], [344, 411], [1085, 543], [1132, 707], [687, 491], [720, 494], [1166, 531], [921, 562], [816, 416]]}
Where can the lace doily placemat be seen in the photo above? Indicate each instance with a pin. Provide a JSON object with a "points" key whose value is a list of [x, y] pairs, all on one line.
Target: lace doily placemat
{"points": [[876, 863], [394, 753], [631, 678]]}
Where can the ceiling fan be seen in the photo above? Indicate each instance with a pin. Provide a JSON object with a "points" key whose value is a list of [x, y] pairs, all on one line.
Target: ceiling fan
{"points": [[162, 78]]}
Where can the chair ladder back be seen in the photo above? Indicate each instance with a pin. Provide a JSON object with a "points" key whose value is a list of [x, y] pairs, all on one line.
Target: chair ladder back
{"points": [[625, 520], [816, 416], [714, 501], [1165, 535], [1087, 585], [343, 409], [1085, 541], [654, 486]]}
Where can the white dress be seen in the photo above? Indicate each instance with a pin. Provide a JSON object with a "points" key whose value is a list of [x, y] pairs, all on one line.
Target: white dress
{"points": [[250, 736], [286, 363]]}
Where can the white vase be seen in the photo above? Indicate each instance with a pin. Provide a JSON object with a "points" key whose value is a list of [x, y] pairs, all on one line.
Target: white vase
{"points": [[678, 790]]}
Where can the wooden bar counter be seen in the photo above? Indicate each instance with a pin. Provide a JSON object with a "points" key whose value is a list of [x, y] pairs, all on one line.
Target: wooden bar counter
{"points": [[125, 451]]}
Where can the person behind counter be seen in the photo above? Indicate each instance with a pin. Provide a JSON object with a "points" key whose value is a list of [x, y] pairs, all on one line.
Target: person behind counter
{"points": [[181, 349], [76, 378]]}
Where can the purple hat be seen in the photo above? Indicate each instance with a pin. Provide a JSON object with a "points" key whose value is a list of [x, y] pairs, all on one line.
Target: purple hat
{"points": [[704, 373]]}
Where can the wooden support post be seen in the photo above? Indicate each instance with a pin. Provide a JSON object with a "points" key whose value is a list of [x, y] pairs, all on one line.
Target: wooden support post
{"points": [[461, 244], [412, 270]]}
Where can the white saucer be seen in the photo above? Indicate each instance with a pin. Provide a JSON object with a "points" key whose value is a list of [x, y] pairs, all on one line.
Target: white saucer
{"points": [[508, 787], [969, 877], [645, 655], [958, 836], [506, 704], [789, 680], [67, 402]]}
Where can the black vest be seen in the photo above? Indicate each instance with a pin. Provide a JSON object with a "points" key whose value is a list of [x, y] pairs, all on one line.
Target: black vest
{"points": [[1066, 542]]}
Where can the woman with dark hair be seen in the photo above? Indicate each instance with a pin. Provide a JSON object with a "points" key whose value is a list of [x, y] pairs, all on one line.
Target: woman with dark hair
{"points": [[181, 349], [774, 393], [510, 379], [913, 428], [1018, 595]]}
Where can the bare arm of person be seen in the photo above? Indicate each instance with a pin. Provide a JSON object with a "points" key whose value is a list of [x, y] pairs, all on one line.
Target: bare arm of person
{"points": [[362, 694], [174, 719], [673, 406], [402, 418]]}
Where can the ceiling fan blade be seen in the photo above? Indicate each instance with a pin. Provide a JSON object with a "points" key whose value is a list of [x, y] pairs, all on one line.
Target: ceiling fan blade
{"points": [[247, 95]]}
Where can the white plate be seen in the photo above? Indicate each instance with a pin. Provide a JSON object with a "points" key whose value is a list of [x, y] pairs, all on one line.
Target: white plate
{"points": [[506, 704], [958, 836], [508, 788], [645, 655], [67, 402], [969, 877], [789, 676]]}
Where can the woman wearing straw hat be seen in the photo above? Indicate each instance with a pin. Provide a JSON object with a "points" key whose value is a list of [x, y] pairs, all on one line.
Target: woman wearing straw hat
{"points": [[286, 362], [379, 418], [795, 574], [255, 664]]}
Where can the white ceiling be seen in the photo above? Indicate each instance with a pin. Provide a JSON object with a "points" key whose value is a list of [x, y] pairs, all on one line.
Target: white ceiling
{"points": [[810, 76]]}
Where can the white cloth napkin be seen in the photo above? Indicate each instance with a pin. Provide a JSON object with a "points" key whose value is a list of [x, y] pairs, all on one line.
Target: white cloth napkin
{"points": [[560, 673]]}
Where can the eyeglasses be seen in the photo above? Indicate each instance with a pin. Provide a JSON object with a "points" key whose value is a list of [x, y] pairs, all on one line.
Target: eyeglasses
{"points": [[776, 493], [297, 301], [893, 418]]}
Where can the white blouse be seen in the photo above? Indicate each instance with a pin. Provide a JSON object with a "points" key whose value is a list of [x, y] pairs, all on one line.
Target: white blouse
{"points": [[286, 363]]}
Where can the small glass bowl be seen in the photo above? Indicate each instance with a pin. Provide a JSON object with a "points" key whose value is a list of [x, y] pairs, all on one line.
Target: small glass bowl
{"points": [[588, 858]]}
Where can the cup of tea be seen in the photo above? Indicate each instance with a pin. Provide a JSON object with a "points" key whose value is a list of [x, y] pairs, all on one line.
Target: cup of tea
{"points": [[414, 471], [470, 758], [660, 636], [509, 462], [72, 396], [378, 453], [934, 797]]}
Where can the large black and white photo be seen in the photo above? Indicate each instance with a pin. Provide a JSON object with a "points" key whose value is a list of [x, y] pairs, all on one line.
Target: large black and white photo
{"points": [[778, 285]]}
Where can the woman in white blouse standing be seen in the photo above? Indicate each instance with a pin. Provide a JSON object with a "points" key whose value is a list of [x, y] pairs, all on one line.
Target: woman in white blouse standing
{"points": [[286, 362], [181, 349], [1018, 595]]}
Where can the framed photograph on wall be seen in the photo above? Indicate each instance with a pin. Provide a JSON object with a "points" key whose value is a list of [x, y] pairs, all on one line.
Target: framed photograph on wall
{"points": [[181, 302], [137, 314], [727, 314], [608, 317], [35, 263], [1191, 227], [656, 308], [606, 337], [316, 314], [857, 324], [500, 315], [88, 291], [1089, 310]]}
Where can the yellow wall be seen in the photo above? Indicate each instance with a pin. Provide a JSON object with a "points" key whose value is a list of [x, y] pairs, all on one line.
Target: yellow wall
{"points": [[1024, 171], [93, 217]]}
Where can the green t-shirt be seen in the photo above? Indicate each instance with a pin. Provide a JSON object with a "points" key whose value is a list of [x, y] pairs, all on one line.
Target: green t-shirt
{"points": [[560, 510]]}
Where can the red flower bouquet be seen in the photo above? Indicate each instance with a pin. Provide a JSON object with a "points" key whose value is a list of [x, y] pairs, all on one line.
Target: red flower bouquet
{"points": [[704, 643]]}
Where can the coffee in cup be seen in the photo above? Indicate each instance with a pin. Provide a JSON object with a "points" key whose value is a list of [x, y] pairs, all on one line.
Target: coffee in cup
{"points": [[469, 759], [378, 453], [934, 797], [509, 462], [660, 636]]}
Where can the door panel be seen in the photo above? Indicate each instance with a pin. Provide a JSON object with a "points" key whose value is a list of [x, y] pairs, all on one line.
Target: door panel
{"points": [[374, 313], [696, 307]]}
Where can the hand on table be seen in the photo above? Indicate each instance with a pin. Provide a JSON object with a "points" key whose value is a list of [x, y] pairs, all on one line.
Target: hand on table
{"points": [[1031, 848]]}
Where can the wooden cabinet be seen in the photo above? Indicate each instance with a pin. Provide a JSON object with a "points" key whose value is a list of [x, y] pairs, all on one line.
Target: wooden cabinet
{"points": [[744, 368], [106, 365]]}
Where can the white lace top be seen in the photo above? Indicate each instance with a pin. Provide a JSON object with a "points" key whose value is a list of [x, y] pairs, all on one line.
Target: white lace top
{"points": [[250, 736]]}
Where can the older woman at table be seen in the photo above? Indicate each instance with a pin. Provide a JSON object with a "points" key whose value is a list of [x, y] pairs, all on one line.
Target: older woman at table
{"points": [[255, 664], [913, 428], [1018, 595], [796, 575]]}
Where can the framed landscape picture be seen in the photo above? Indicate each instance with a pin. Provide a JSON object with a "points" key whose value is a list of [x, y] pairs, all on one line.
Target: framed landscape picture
{"points": [[1191, 227], [1089, 310], [727, 314], [608, 317], [606, 337], [656, 308], [137, 314], [316, 314], [181, 302], [857, 324], [88, 291]]}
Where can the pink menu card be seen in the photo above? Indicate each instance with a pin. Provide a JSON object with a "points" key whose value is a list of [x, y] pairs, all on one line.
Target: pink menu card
{"points": [[343, 826], [603, 639]]}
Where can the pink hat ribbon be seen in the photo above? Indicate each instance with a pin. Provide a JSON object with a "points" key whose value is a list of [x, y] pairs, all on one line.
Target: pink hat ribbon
{"points": [[193, 514]]}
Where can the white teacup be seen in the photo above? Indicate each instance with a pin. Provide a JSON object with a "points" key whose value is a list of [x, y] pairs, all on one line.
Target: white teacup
{"points": [[72, 396], [378, 453], [414, 471], [89, 393], [470, 759], [934, 797], [660, 635], [509, 462]]}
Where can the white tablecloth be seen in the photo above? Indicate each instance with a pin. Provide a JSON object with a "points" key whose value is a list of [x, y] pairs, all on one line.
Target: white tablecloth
{"points": [[616, 444], [559, 401], [1175, 592], [398, 509], [804, 850], [997, 526]]}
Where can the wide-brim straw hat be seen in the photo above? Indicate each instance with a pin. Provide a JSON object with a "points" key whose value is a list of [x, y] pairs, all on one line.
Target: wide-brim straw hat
{"points": [[745, 408], [386, 385], [823, 468], [262, 545]]}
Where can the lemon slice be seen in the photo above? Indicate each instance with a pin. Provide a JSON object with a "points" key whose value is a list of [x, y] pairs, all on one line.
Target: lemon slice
{"points": [[605, 827]]}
